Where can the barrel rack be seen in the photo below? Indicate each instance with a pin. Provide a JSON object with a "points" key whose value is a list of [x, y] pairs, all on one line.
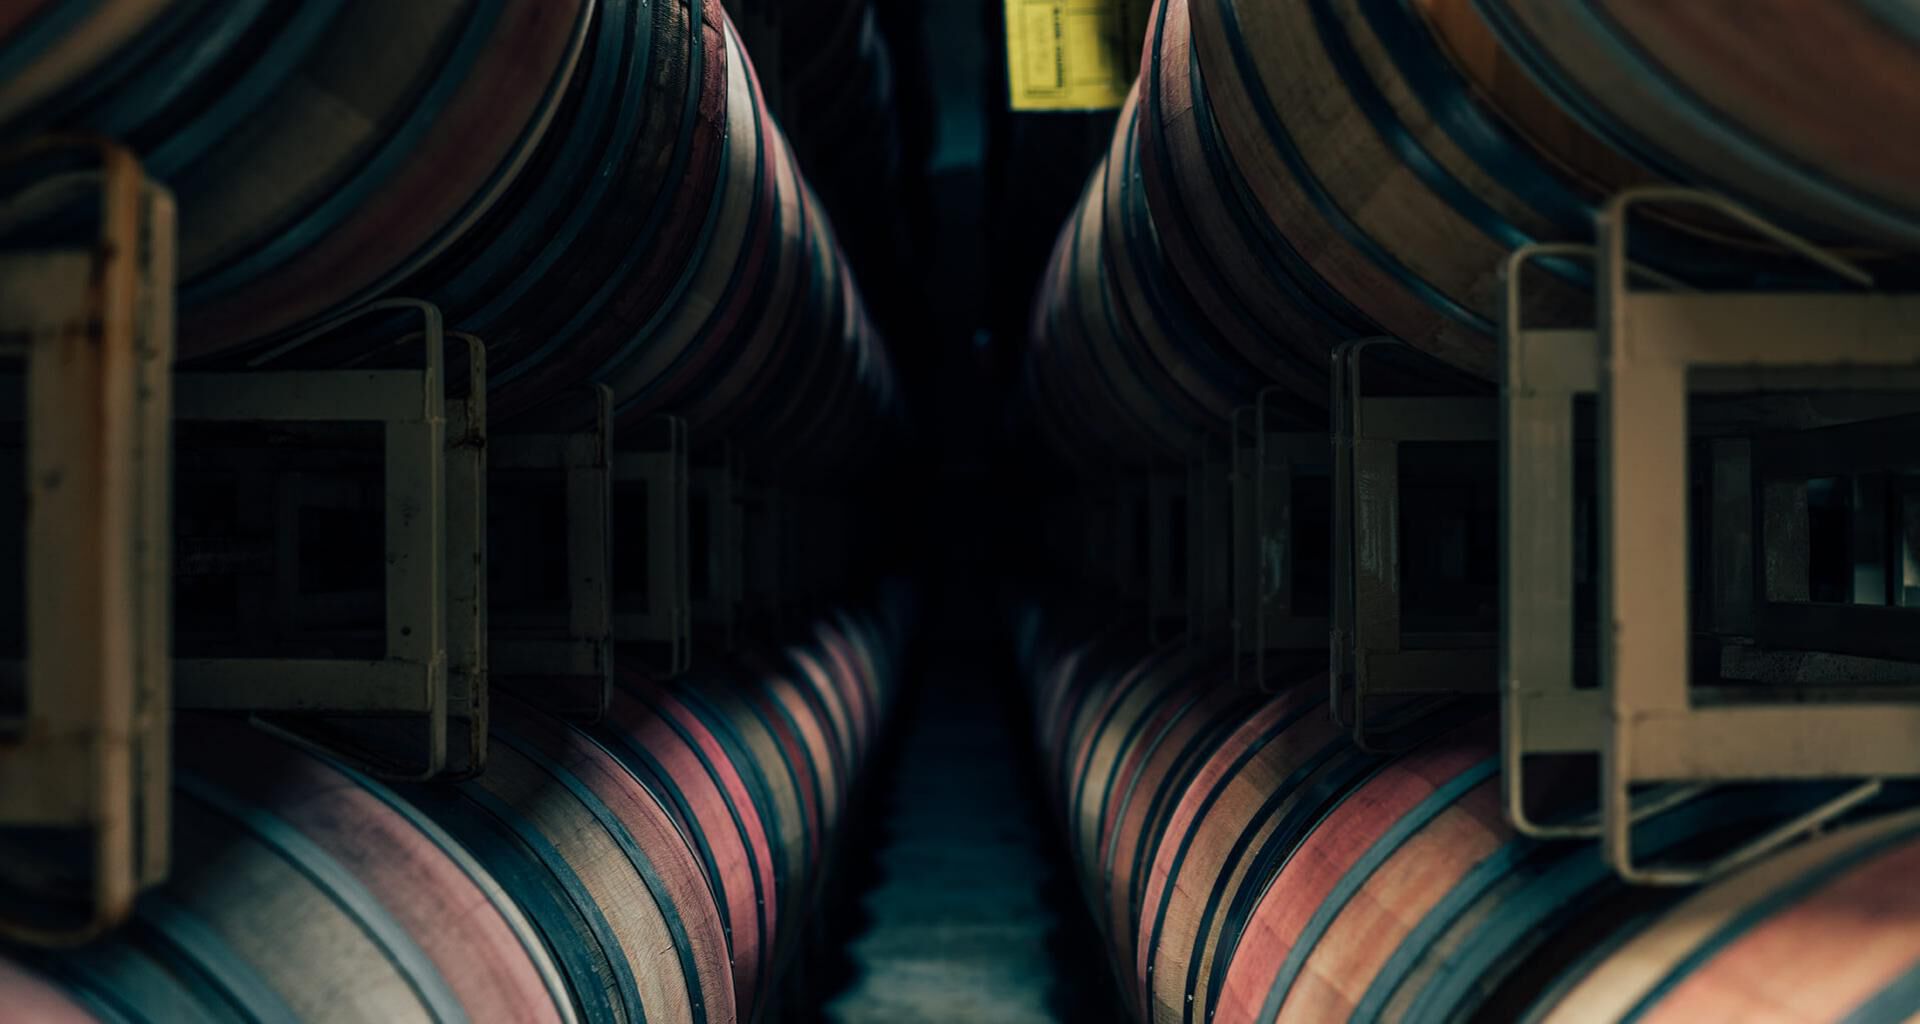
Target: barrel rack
{"points": [[84, 743], [1652, 348], [1746, 675], [497, 555]]}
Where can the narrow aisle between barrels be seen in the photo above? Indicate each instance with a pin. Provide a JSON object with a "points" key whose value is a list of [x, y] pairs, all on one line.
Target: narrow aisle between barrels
{"points": [[967, 911]]}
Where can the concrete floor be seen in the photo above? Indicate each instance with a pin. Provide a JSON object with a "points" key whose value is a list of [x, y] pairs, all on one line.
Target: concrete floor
{"points": [[965, 915]]}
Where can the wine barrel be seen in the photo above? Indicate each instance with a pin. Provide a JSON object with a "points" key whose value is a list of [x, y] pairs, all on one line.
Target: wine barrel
{"points": [[625, 897], [318, 152], [301, 891], [1790, 107], [726, 290], [1251, 286], [1365, 151], [657, 865], [1095, 751], [1086, 764], [781, 786], [768, 340], [1208, 379], [1175, 744], [1826, 932], [1248, 863], [1125, 741], [1434, 814], [1063, 690], [33, 998], [1249, 803], [1117, 337], [793, 703], [593, 188], [858, 656], [839, 107], [676, 755], [1413, 901], [45, 45], [596, 237]]}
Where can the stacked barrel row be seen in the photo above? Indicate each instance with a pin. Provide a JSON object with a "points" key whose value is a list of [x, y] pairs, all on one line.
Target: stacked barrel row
{"points": [[842, 107], [593, 187], [1247, 862], [1288, 176], [656, 865]]}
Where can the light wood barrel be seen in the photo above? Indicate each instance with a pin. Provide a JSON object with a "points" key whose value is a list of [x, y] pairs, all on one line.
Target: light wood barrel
{"points": [[621, 896], [594, 187], [33, 998], [1248, 863], [303, 892], [596, 237], [1826, 932], [779, 787], [1120, 353], [1251, 800], [318, 152], [1392, 185], [1794, 107], [1413, 901], [675, 754], [658, 865]]}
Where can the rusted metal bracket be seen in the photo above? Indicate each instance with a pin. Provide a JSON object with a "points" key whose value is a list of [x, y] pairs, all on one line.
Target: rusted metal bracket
{"points": [[387, 714], [84, 758], [551, 638]]}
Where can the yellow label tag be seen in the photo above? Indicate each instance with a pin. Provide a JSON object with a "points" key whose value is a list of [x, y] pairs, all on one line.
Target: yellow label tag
{"points": [[1073, 54]]}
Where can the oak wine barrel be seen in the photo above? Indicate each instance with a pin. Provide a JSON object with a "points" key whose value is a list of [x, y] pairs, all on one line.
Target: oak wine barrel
{"points": [[1790, 107], [1259, 867], [656, 865], [593, 187]]}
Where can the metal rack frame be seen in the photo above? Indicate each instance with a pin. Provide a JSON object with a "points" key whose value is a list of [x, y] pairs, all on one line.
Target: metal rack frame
{"points": [[94, 327], [720, 607], [1267, 467], [1643, 721], [1168, 517], [1210, 534], [410, 681], [1370, 656], [568, 671], [664, 630]]}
